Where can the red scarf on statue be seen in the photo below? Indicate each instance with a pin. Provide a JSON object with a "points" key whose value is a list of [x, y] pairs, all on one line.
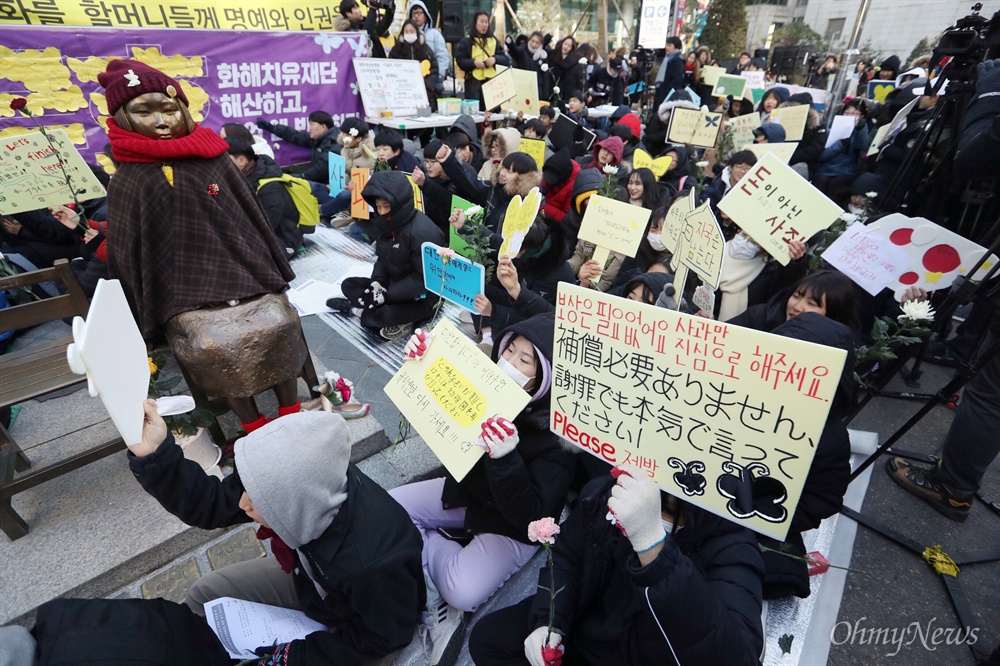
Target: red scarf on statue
{"points": [[128, 146], [282, 553]]}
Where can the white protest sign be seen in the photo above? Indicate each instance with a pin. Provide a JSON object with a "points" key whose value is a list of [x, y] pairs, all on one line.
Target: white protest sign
{"points": [[754, 79], [724, 417], [702, 244], [499, 89], [842, 128], [774, 206], [394, 87], [448, 393], [34, 178], [871, 261]]}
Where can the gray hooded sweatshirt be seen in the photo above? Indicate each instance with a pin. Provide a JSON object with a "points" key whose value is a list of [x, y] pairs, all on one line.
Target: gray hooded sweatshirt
{"points": [[434, 39]]}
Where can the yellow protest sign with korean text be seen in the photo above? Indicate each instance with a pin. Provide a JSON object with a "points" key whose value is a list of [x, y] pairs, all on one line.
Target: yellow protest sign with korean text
{"points": [[742, 128], [793, 119], [533, 147], [615, 225], [448, 393], [702, 245], [359, 207], [724, 417], [774, 206]]}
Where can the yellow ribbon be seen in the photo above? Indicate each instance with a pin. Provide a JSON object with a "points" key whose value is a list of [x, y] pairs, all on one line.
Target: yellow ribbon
{"points": [[938, 559]]}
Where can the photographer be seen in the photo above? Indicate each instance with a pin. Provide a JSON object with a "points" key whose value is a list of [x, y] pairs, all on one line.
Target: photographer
{"points": [[376, 23]]}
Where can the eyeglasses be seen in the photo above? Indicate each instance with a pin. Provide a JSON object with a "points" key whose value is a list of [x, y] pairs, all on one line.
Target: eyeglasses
{"points": [[739, 167]]}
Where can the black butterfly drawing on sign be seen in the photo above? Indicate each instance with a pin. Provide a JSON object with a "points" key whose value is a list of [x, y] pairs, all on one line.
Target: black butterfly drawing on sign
{"points": [[750, 495]]}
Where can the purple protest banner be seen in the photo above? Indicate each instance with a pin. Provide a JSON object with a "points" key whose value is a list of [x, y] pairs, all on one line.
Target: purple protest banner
{"points": [[227, 76]]}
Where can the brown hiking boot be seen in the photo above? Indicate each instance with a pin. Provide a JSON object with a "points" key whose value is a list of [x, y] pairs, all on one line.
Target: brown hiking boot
{"points": [[923, 483]]}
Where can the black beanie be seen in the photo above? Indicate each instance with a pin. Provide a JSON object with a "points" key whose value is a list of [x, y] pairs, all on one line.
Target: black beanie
{"points": [[558, 168]]}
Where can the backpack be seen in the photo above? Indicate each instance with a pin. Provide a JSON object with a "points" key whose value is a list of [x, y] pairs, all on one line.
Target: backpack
{"points": [[302, 196]]}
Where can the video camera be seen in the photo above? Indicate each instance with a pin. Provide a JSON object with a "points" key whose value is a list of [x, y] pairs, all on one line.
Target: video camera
{"points": [[643, 58], [966, 43], [388, 5]]}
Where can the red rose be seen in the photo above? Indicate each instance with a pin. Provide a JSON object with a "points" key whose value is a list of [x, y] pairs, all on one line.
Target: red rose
{"points": [[18, 103], [552, 656]]}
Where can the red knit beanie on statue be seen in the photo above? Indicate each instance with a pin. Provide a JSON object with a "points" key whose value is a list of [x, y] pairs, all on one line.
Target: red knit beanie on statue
{"points": [[124, 80]]}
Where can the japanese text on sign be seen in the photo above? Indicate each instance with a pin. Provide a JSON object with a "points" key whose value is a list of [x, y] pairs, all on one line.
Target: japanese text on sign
{"points": [[448, 393], [775, 206], [703, 406]]}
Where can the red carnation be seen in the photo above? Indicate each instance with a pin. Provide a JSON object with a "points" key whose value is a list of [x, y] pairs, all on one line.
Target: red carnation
{"points": [[213, 189], [18, 103], [552, 656]]}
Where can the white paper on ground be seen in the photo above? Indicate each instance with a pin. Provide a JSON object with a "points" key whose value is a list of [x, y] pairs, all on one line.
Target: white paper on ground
{"points": [[311, 296], [171, 405], [244, 626], [842, 128]]}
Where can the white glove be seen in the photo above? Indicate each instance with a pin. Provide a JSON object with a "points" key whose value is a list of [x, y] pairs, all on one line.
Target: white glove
{"points": [[635, 507], [417, 345], [534, 643], [499, 437], [378, 293]]}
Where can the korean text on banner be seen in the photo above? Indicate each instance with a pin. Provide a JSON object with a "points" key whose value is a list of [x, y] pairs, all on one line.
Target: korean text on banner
{"points": [[533, 147], [394, 87], [455, 279], [694, 127], [702, 245], [359, 207], [499, 89], [793, 119], [871, 261], [227, 77], [743, 127], [448, 393], [615, 225], [336, 165], [775, 206], [783, 151], [724, 417], [33, 177]]}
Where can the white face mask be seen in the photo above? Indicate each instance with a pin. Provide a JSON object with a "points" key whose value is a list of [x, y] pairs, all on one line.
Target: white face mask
{"points": [[654, 241], [741, 247], [410, 37], [519, 377]]}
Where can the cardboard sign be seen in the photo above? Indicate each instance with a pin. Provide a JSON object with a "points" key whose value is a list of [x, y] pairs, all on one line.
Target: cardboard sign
{"points": [[694, 127], [728, 84], [109, 348], [418, 194], [783, 151], [33, 178], [455, 279], [533, 147], [455, 240], [643, 160], [725, 417], [937, 255], [518, 218], [613, 224], [774, 206], [879, 90], [337, 168], [525, 97], [793, 119], [871, 261], [702, 245], [754, 79], [448, 393], [673, 226], [359, 207], [499, 89], [394, 87], [743, 127], [710, 74]]}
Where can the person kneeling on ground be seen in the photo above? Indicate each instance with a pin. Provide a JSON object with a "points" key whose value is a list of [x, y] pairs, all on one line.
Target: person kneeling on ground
{"points": [[643, 578], [393, 299], [344, 552]]}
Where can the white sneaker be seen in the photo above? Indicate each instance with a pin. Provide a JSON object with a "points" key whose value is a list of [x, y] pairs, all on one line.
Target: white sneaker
{"points": [[446, 629]]}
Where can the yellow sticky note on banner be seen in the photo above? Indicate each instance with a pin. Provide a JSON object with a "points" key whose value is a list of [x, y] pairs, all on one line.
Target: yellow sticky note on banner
{"points": [[643, 160], [533, 147], [724, 427], [793, 119], [448, 393], [613, 224], [774, 205], [518, 218]]}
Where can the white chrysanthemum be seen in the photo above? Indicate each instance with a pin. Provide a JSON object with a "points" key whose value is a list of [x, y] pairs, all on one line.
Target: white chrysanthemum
{"points": [[850, 218], [701, 165], [917, 311], [609, 169], [555, 90], [353, 131], [871, 195], [583, 61], [544, 67], [475, 210]]}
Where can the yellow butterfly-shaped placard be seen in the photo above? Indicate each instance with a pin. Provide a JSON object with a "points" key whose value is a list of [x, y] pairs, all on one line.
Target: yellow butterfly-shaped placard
{"points": [[516, 221], [642, 159]]}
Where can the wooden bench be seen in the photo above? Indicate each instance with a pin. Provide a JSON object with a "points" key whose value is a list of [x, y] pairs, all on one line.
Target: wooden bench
{"points": [[34, 372]]}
